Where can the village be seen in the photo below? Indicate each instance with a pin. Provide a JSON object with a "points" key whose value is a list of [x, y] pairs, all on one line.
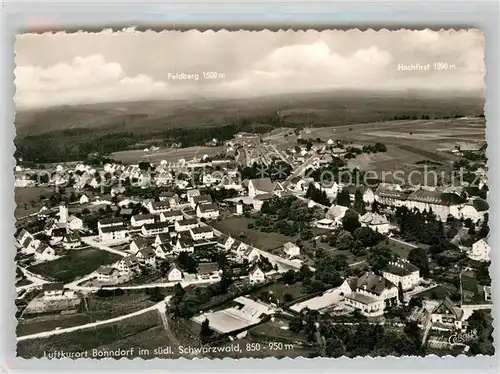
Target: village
{"points": [[263, 241]]}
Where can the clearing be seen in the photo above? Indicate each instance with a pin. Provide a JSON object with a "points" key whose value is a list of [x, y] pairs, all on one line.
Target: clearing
{"points": [[75, 264]]}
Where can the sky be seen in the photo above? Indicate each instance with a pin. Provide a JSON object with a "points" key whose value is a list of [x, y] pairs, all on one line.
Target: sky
{"points": [[112, 66]]}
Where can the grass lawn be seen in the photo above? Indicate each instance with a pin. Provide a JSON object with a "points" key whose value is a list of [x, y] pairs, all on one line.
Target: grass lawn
{"points": [[262, 240], [101, 308], [41, 324], [75, 264], [399, 249], [441, 291], [279, 289], [88, 339], [28, 199]]}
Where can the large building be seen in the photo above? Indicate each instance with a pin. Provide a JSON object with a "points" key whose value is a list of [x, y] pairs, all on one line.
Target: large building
{"points": [[402, 271]]}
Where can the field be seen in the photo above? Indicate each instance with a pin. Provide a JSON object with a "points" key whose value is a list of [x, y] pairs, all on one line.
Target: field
{"points": [[109, 307], [279, 289], [398, 248], [169, 155], [28, 199], [41, 324], [262, 240], [122, 334], [75, 264]]}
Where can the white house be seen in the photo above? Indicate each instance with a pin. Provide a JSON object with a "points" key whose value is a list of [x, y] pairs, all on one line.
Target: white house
{"points": [[45, 253], [172, 216], [113, 234], [225, 242], [368, 306], [174, 274], [53, 290], [207, 211], [157, 207], [202, 232], [142, 219], [74, 223], [137, 244], [146, 256], [84, 199], [128, 264], [402, 271], [326, 223], [185, 224], [250, 254], [162, 250], [291, 249], [474, 209], [161, 239], [447, 315], [256, 275], [110, 222], [480, 251], [209, 271], [260, 187], [107, 274], [375, 221], [153, 229], [184, 244]]}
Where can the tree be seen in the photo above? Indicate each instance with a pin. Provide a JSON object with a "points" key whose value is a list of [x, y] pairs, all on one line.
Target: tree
{"points": [[343, 198], [418, 257], [339, 262], [187, 263], [205, 331], [401, 296], [359, 204], [289, 277], [343, 240], [295, 324], [287, 297], [379, 258], [350, 222]]}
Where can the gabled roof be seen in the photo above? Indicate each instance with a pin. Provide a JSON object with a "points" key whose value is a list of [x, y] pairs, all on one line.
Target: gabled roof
{"points": [[142, 217], [187, 222], [208, 208], [201, 229], [156, 225], [254, 269], [448, 305], [131, 260], [160, 204], [265, 196], [372, 219], [202, 199], [336, 212], [400, 268], [479, 204], [263, 184], [110, 221], [173, 213], [58, 286], [192, 193], [113, 229], [208, 268], [374, 283], [147, 252], [434, 197], [140, 243]]}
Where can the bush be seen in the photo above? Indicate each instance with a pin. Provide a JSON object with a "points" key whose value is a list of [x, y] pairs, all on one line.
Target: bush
{"points": [[287, 297]]}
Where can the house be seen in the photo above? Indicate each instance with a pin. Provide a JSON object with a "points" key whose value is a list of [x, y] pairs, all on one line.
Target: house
{"points": [[137, 244], [256, 275], [161, 239], [325, 223], [186, 224], [128, 264], [441, 203], [53, 290], [142, 219], [239, 247], [113, 234], [162, 250], [291, 249], [368, 306], [201, 232], [107, 274], [191, 194], [174, 274], [172, 216], [391, 195], [146, 256], [23, 235], [169, 196], [57, 234], [375, 222], [336, 213], [27, 241], [110, 222], [45, 253], [474, 209], [259, 187], [250, 254], [71, 241], [84, 199], [74, 223], [480, 251], [207, 211], [487, 293], [153, 229], [377, 286], [447, 315], [402, 271], [209, 271], [231, 182], [157, 207], [225, 242], [184, 243], [201, 199]]}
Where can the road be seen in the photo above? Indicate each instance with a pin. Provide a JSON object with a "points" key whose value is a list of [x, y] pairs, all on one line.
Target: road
{"points": [[47, 334], [302, 168], [90, 240]]}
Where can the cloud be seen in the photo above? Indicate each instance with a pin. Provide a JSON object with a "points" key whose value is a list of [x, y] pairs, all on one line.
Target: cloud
{"points": [[84, 80]]}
